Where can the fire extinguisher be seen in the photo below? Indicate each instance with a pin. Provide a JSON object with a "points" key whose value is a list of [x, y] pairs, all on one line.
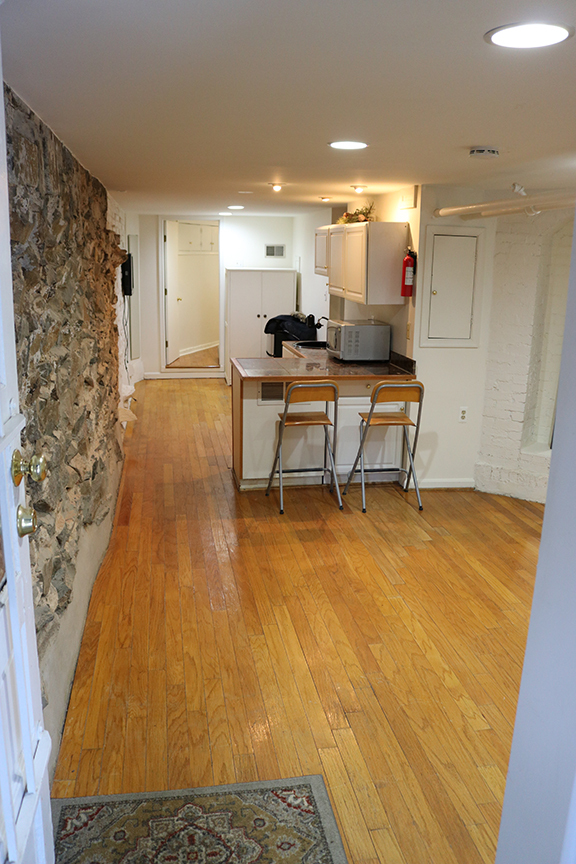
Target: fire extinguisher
{"points": [[408, 271]]}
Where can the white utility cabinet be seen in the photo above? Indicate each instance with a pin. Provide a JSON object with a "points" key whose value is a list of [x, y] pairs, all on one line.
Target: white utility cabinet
{"points": [[365, 261], [252, 297]]}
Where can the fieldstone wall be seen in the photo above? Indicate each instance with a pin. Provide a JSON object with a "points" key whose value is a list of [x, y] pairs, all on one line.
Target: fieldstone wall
{"points": [[64, 262]]}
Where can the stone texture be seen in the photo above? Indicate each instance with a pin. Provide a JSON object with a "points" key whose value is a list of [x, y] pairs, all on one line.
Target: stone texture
{"points": [[64, 262]]}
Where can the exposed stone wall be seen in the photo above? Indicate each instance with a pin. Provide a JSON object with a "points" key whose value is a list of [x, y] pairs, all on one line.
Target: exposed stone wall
{"points": [[64, 270], [512, 459]]}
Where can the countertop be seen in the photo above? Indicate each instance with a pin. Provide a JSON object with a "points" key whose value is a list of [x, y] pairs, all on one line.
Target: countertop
{"points": [[315, 363]]}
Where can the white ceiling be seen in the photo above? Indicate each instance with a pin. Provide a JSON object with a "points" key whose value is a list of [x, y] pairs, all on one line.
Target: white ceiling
{"points": [[185, 103]]}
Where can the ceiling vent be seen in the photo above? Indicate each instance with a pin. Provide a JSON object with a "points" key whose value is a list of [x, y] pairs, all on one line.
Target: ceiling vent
{"points": [[275, 251], [484, 152]]}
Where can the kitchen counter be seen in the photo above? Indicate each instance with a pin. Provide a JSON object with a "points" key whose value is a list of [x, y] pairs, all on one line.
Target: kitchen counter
{"points": [[315, 363], [258, 398]]}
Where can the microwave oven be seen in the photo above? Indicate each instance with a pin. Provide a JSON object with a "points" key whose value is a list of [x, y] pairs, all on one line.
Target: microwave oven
{"points": [[358, 340]]}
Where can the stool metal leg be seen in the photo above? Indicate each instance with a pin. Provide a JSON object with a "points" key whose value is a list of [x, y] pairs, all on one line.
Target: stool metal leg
{"points": [[357, 459], [412, 471], [272, 472], [333, 466], [280, 477], [363, 481]]}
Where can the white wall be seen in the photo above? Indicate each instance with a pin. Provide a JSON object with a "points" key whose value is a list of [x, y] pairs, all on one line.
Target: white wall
{"points": [[512, 459], [243, 240], [199, 312], [242, 244], [539, 816], [313, 289], [149, 294], [452, 377]]}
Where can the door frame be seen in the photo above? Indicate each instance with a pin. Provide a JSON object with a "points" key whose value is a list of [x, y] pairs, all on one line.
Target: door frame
{"points": [[165, 372]]}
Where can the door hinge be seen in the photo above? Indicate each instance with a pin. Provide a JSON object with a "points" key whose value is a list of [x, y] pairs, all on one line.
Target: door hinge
{"points": [[165, 238], [166, 343], [166, 292]]}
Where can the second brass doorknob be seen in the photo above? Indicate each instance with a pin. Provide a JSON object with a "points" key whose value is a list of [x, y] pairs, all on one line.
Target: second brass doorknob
{"points": [[36, 468]]}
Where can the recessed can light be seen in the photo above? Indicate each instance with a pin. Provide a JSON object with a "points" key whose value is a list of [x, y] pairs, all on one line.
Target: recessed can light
{"points": [[323, 198], [245, 193], [348, 145], [224, 214], [277, 187], [534, 35], [236, 207], [358, 189]]}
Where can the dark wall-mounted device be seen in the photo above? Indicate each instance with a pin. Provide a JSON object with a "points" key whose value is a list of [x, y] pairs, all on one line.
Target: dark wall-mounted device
{"points": [[127, 272]]}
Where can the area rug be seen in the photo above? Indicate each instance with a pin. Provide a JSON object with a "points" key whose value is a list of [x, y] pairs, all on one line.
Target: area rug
{"points": [[271, 822]]}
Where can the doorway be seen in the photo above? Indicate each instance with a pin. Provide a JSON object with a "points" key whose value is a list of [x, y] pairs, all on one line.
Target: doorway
{"points": [[192, 294]]}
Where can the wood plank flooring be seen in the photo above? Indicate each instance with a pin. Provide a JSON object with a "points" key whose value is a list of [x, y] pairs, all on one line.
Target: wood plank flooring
{"points": [[226, 643], [198, 359]]}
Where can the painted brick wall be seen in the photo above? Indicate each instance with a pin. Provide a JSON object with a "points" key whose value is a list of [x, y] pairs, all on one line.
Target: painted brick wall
{"points": [[529, 285]]}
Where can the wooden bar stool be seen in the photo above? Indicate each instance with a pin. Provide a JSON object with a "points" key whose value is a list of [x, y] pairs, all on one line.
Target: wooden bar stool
{"points": [[305, 391], [387, 392]]}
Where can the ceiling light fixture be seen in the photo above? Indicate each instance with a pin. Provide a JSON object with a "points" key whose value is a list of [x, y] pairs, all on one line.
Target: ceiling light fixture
{"points": [[358, 189], [235, 206], [277, 187], [348, 145], [224, 214], [245, 193], [535, 35], [323, 198]]}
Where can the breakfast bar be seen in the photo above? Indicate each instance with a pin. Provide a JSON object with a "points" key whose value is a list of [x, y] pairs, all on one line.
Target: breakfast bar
{"points": [[258, 386]]}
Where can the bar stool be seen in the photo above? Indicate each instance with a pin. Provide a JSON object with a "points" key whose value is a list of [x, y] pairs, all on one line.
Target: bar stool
{"points": [[305, 391], [387, 392]]}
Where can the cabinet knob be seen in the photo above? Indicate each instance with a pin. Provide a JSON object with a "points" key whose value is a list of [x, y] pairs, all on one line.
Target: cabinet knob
{"points": [[258, 315], [434, 292], [264, 316]]}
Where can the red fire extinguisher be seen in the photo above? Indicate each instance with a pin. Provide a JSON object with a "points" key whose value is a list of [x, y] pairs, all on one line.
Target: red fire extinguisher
{"points": [[408, 271]]}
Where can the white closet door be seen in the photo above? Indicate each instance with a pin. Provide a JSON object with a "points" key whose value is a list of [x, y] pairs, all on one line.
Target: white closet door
{"points": [[278, 298], [245, 322], [452, 286]]}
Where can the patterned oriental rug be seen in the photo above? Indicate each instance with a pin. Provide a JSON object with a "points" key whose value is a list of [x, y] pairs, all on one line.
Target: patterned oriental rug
{"points": [[271, 822]]}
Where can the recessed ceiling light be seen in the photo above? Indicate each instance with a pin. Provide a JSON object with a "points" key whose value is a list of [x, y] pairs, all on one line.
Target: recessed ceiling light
{"points": [[245, 193], [534, 35], [348, 145], [323, 198], [224, 214], [277, 187], [236, 207], [358, 189]]}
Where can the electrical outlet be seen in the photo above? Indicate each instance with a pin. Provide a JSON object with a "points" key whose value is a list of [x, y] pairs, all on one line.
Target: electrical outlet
{"points": [[463, 415]]}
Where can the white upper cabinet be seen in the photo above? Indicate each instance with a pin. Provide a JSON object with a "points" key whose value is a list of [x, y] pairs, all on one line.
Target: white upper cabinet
{"points": [[336, 259], [321, 241], [198, 238], [365, 261]]}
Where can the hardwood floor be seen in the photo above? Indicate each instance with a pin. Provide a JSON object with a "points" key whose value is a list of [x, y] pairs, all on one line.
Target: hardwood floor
{"points": [[225, 642], [197, 360]]}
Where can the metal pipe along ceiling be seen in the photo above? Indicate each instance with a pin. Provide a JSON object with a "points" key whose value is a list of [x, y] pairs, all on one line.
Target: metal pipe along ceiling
{"points": [[529, 204]]}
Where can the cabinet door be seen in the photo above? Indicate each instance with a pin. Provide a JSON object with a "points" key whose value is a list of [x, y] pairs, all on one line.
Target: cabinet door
{"points": [[452, 287], [245, 323], [278, 298], [355, 263], [321, 239], [209, 238], [189, 237], [336, 260]]}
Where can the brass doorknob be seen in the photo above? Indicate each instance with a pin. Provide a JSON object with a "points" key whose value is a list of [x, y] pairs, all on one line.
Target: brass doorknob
{"points": [[26, 521], [36, 468]]}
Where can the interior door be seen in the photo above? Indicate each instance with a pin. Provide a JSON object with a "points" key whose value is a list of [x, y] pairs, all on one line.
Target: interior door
{"points": [[171, 291], [25, 822]]}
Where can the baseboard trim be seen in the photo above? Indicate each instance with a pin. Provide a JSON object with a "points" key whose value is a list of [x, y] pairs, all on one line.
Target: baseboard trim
{"points": [[184, 373], [198, 348]]}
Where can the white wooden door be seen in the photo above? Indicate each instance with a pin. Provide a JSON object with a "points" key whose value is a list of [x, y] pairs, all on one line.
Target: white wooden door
{"points": [[245, 323], [171, 291], [278, 298], [25, 821], [452, 287]]}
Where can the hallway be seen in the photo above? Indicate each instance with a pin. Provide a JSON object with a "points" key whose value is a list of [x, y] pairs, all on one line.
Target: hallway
{"points": [[226, 643]]}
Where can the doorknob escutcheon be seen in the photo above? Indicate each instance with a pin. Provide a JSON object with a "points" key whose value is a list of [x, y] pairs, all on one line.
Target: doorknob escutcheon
{"points": [[36, 468], [26, 521]]}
